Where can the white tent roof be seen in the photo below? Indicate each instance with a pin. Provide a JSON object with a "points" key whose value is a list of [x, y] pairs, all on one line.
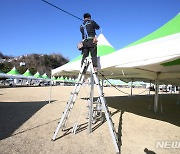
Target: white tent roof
{"points": [[73, 67], [103, 41], [4, 75], [146, 60]]}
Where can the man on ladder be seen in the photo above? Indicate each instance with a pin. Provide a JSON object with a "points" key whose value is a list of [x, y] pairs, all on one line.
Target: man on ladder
{"points": [[89, 45], [91, 116], [89, 39]]}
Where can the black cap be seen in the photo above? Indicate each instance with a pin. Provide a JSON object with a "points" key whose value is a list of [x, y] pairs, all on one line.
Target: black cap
{"points": [[87, 15]]}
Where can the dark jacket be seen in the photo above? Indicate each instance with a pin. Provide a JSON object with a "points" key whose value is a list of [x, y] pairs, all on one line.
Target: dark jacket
{"points": [[91, 27]]}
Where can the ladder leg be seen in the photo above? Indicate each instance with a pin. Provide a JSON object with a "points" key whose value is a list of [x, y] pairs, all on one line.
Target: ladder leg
{"points": [[78, 88], [106, 111], [111, 126], [71, 101], [64, 116], [91, 105]]}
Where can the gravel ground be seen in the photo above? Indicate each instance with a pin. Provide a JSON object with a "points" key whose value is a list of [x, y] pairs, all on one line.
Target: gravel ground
{"points": [[28, 121]]}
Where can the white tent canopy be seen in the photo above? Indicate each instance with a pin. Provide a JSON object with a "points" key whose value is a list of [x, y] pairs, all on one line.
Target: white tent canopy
{"points": [[146, 60], [4, 75], [154, 57], [142, 61], [73, 67]]}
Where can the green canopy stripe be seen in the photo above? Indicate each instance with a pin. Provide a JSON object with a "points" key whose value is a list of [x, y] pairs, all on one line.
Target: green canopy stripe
{"points": [[104, 50], [171, 63], [14, 71], [27, 73], [37, 75], [101, 51], [171, 27]]}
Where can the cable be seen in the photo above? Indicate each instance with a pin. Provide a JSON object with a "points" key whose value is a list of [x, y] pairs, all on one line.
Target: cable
{"points": [[117, 88], [142, 92], [112, 84], [62, 10]]}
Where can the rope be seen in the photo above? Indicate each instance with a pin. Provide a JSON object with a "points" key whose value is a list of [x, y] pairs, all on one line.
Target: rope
{"points": [[142, 92], [112, 84], [118, 88], [62, 10]]}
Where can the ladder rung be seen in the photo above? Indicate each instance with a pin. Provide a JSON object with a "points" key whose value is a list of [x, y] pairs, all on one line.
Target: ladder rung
{"points": [[96, 110], [74, 93], [95, 102]]}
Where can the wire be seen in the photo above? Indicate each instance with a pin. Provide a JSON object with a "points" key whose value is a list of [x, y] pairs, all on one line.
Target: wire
{"points": [[62, 10], [119, 89], [142, 92], [112, 84]]}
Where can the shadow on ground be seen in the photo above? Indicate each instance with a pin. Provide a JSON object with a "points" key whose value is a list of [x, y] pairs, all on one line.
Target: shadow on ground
{"points": [[149, 151], [14, 114], [140, 104]]}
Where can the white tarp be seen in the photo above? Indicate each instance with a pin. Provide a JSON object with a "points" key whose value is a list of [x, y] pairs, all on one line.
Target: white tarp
{"points": [[142, 61], [146, 60]]}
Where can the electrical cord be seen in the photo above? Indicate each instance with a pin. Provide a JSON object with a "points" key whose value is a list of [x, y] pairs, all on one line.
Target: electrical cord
{"points": [[62, 10], [142, 92], [117, 88], [112, 84]]}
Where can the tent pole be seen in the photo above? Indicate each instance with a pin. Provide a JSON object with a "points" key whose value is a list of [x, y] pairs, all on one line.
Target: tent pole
{"points": [[156, 94], [150, 88], [178, 102], [13, 82], [50, 90], [174, 89], [131, 86]]}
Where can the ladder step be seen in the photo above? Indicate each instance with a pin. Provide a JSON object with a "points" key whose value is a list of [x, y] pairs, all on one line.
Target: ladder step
{"points": [[96, 108], [74, 93]]}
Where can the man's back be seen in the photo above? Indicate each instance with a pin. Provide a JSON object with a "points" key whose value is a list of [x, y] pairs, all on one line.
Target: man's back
{"points": [[88, 30], [91, 26]]}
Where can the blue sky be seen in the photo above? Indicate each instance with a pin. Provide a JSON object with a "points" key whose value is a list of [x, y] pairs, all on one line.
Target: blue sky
{"points": [[32, 26]]}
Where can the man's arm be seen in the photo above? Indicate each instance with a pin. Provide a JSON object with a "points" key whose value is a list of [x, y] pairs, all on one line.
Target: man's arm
{"points": [[82, 31], [96, 26]]}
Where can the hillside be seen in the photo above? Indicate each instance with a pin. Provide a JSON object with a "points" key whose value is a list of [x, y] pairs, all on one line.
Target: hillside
{"points": [[34, 62]]}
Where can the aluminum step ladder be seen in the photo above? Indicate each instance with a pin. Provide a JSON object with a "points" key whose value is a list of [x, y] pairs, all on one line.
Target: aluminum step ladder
{"points": [[94, 113]]}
